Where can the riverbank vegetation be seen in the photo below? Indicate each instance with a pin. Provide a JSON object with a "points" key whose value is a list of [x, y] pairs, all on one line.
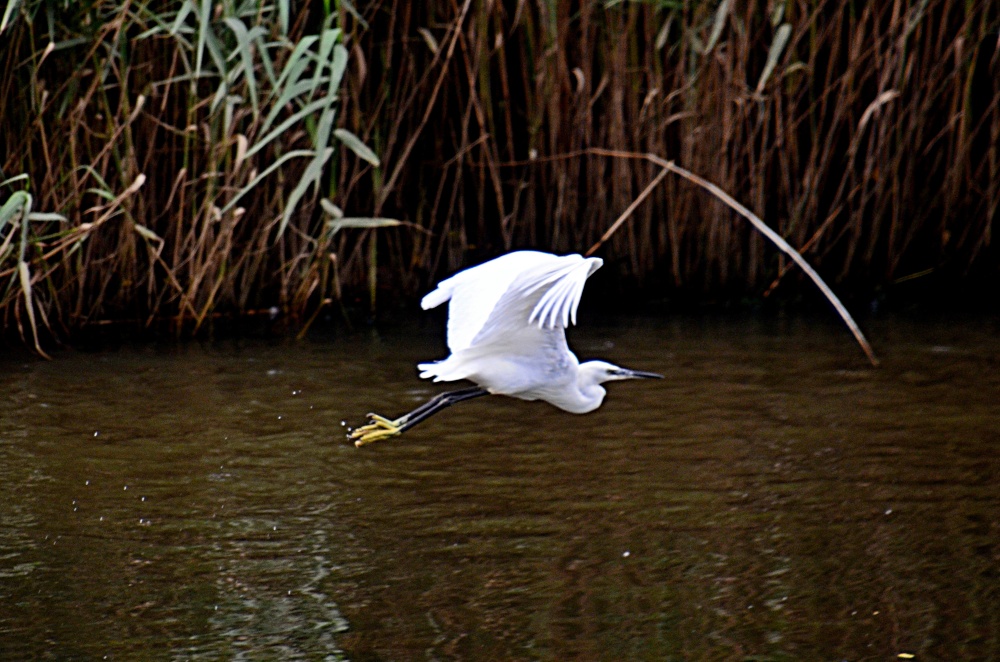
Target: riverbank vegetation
{"points": [[168, 162]]}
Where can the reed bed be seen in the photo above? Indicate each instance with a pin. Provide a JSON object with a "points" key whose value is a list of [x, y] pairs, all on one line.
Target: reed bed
{"points": [[173, 160], [866, 133], [167, 162]]}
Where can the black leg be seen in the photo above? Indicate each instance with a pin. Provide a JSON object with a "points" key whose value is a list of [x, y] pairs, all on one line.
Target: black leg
{"points": [[437, 403], [383, 428]]}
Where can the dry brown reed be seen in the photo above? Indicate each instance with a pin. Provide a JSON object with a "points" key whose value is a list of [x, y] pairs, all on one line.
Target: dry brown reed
{"points": [[181, 153], [867, 132], [190, 173]]}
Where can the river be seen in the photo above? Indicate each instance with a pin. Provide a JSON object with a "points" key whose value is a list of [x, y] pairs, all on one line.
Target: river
{"points": [[773, 498]]}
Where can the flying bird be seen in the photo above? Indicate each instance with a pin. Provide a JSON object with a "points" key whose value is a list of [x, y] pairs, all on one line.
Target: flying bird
{"points": [[507, 322]]}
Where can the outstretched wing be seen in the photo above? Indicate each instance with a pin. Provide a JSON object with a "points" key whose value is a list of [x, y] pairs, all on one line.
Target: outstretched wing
{"points": [[474, 294], [501, 300], [541, 299]]}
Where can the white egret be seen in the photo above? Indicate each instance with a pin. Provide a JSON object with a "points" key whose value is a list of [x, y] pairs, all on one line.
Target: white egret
{"points": [[507, 333]]}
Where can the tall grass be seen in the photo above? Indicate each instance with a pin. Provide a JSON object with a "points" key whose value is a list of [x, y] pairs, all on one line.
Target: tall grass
{"points": [[866, 132], [188, 145], [183, 159]]}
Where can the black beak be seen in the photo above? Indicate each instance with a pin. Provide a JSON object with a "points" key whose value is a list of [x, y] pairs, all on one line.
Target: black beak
{"points": [[638, 374]]}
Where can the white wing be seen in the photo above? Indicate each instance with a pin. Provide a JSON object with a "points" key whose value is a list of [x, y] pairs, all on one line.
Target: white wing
{"points": [[475, 292], [542, 298], [501, 299]]}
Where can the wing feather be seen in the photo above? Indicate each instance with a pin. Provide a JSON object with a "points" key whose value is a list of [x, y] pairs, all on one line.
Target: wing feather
{"points": [[544, 297], [499, 300], [475, 292], [510, 311]]}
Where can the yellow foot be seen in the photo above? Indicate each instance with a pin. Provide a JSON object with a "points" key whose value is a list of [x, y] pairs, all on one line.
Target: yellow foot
{"points": [[378, 428]]}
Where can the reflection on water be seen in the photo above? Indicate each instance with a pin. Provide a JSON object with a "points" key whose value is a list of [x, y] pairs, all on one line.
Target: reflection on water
{"points": [[773, 498]]}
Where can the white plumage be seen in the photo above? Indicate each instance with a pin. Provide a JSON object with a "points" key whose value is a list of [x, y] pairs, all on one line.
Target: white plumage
{"points": [[513, 290], [507, 322]]}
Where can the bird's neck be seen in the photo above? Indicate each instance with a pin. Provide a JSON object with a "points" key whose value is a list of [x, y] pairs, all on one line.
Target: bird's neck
{"points": [[590, 394]]}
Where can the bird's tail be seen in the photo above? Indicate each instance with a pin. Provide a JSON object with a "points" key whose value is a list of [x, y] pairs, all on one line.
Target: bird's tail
{"points": [[437, 297], [443, 371]]}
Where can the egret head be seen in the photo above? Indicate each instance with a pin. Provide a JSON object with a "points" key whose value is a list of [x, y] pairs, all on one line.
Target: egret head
{"points": [[598, 372]]}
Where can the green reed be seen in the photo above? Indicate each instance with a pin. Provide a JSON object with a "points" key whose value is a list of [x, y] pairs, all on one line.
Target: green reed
{"points": [[184, 159], [187, 143]]}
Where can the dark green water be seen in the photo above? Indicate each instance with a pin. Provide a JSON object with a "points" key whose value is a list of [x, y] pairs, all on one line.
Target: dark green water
{"points": [[772, 499]]}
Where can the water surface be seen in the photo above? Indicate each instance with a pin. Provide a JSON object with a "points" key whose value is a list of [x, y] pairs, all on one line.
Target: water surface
{"points": [[773, 498]]}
